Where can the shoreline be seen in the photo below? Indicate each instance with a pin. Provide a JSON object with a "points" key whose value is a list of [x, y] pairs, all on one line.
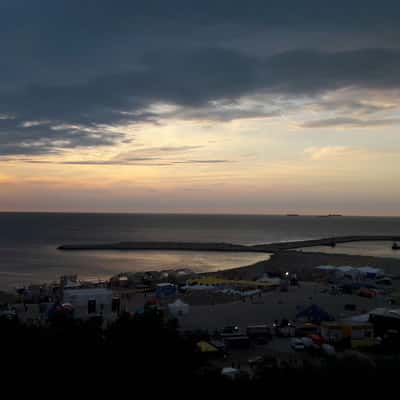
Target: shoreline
{"points": [[303, 263], [280, 260]]}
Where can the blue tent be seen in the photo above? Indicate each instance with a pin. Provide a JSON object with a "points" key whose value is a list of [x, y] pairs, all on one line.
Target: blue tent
{"points": [[314, 313], [165, 290]]}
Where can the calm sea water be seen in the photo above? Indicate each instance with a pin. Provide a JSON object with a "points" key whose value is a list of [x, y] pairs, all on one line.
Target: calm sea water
{"points": [[375, 249], [28, 241]]}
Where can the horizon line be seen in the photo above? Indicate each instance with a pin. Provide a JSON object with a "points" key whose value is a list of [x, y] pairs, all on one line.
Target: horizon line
{"points": [[289, 214]]}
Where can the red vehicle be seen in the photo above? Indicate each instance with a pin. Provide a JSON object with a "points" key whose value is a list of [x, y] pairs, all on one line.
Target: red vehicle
{"points": [[317, 339], [364, 292]]}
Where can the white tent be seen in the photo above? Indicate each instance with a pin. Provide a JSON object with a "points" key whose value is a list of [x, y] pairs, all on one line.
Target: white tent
{"points": [[358, 318], [346, 269], [326, 267], [178, 307], [386, 312], [266, 279], [199, 287], [229, 372]]}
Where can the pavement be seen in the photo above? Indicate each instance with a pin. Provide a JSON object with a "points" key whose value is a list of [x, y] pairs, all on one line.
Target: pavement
{"points": [[275, 306]]}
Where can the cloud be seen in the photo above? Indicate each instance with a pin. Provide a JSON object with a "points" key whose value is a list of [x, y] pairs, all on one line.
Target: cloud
{"points": [[150, 156], [202, 162], [73, 70], [137, 161], [42, 137], [226, 111], [335, 153], [348, 121]]}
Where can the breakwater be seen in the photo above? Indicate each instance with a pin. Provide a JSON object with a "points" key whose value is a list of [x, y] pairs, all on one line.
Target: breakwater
{"points": [[195, 246]]}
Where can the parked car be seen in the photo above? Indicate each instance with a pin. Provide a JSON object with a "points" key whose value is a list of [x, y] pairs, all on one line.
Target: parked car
{"points": [[297, 344], [230, 329], [309, 343], [384, 281], [317, 339], [306, 329], [328, 350], [237, 342], [254, 362], [259, 333], [8, 314]]}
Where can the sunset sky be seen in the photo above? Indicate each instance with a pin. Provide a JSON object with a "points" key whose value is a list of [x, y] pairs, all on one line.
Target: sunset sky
{"points": [[200, 106]]}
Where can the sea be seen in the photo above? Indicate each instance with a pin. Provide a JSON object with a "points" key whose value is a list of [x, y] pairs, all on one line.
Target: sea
{"points": [[29, 241]]}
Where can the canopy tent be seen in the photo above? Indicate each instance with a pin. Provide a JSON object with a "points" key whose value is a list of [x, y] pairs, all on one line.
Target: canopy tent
{"points": [[314, 313], [358, 318], [371, 272], [206, 347], [178, 308], [230, 373], [346, 269], [165, 290], [198, 287], [326, 267], [266, 278], [386, 312], [63, 311]]}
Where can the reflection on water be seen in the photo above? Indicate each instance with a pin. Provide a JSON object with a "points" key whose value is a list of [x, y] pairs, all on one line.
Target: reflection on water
{"points": [[122, 261], [49, 263], [28, 241], [375, 249]]}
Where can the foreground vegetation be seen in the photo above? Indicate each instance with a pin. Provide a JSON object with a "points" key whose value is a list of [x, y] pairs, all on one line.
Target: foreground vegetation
{"points": [[145, 346]]}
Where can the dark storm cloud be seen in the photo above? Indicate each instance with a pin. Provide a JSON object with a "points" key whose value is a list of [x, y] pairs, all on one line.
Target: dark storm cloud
{"points": [[74, 68], [41, 137]]}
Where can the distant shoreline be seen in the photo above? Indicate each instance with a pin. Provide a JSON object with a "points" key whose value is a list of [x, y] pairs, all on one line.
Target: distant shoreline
{"points": [[227, 247], [231, 214]]}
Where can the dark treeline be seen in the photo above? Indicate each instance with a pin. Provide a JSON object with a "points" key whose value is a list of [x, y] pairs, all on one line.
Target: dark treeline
{"points": [[146, 348], [132, 343]]}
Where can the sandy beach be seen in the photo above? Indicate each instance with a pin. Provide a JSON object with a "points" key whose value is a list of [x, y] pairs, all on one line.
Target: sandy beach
{"points": [[304, 263]]}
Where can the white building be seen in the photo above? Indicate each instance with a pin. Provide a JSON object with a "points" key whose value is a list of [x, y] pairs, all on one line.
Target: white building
{"points": [[79, 298]]}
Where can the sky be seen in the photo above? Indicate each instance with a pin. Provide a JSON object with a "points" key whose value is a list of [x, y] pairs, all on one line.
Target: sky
{"points": [[200, 106]]}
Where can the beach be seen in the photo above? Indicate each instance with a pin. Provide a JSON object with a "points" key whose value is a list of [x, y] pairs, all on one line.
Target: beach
{"points": [[304, 263]]}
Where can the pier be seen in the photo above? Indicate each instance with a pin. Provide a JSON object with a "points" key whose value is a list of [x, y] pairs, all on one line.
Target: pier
{"points": [[260, 248]]}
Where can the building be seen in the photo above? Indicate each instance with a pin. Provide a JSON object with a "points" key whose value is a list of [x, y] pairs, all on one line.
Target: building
{"points": [[359, 334], [89, 300], [385, 319]]}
